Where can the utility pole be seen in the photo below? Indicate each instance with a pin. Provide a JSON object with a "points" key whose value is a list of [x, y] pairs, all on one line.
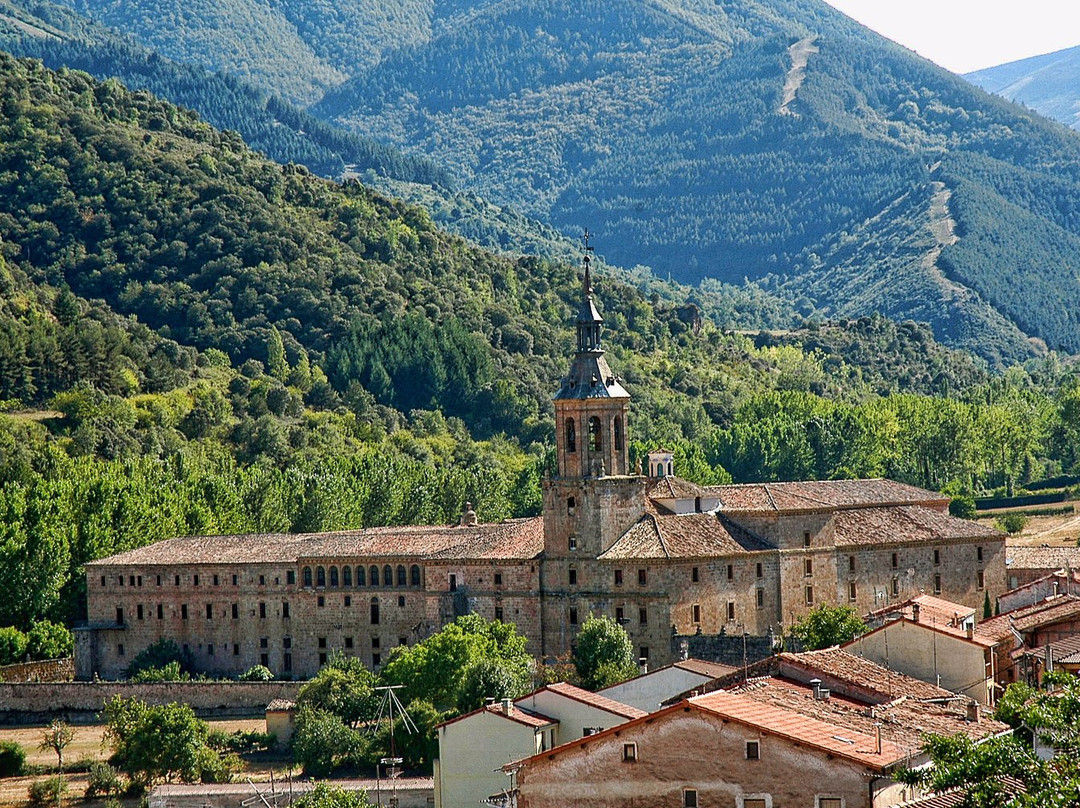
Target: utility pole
{"points": [[387, 704]]}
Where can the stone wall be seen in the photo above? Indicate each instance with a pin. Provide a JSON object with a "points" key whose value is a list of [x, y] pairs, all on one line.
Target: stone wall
{"points": [[727, 649], [47, 670], [80, 702]]}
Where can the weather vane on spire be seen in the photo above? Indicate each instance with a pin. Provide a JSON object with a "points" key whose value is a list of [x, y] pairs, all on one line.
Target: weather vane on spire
{"points": [[587, 260]]}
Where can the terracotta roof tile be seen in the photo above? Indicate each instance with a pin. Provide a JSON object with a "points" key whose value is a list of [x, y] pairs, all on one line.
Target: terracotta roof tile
{"points": [[512, 539], [1026, 618], [703, 667], [595, 700], [692, 535], [819, 495], [935, 614], [529, 718], [905, 524], [673, 488], [845, 666], [1042, 558], [1065, 650], [842, 741]]}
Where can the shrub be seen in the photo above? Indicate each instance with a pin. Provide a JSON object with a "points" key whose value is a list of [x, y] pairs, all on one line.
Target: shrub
{"points": [[48, 640], [1012, 523], [159, 655], [104, 781], [46, 793], [12, 759], [256, 673], [12, 645], [169, 672]]}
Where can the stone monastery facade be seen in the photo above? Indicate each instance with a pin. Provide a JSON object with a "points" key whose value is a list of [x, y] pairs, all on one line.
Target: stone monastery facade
{"points": [[663, 556]]}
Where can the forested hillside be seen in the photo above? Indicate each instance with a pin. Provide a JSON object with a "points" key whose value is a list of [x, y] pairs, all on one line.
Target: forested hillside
{"points": [[194, 339], [1048, 84]]}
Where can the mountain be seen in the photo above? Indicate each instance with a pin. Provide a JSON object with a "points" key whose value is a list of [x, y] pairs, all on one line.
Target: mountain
{"points": [[1047, 84]]}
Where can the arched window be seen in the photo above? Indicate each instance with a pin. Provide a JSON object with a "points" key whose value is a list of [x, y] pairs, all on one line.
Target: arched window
{"points": [[374, 611], [333, 577], [307, 577], [320, 576], [374, 571], [401, 575], [571, 506], [387, 575], [360, 576], [670, 469], [414, 575], [571, 435], [346, 576], [596, 435], [618, 434]]}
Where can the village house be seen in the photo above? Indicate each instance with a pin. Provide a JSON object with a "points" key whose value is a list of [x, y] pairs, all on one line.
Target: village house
{"points": [[933, 640], [823, 729], [1025, 564], [652, 688], [1059, 582], [661, 555], [1029, 629]]}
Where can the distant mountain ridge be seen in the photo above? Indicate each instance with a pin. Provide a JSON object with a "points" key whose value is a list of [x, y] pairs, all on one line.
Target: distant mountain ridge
{"points": [[692, 137], [1049, 84]]}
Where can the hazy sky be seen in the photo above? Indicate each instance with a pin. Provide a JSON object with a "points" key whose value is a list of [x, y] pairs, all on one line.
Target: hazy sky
{"points": [[965, 35]]}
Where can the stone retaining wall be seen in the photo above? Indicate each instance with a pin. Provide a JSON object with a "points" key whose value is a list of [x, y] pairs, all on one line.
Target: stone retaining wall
{"points": [[48, 670]]}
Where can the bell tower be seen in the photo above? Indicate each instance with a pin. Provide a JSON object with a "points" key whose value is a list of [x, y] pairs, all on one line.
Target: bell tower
{"points": [[591, 404]]}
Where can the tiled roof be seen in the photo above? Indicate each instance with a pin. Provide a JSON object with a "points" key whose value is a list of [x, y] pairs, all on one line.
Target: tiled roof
{"points": [[904, 524], [704, 667], [511, 539], [955, 798], [820, 495], [692, 535], [829, 737], [594, 700], [1026, 618], [280, 706], [935, 614], [1057, 575], [1042, 558], [863, 673], [520, 715], [1063, 651], [673, 488]]}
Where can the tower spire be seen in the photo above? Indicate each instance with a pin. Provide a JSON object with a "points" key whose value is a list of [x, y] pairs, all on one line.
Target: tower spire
{"points": [[588, 319], [586, 260]]}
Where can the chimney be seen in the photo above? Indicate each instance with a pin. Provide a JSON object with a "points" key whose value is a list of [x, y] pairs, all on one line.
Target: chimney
{"points": [[468, 518], [974, 712], [1055, 588], [969, 630], [915, 609], [820, 693], [508, 706], [643, 665], [877, 735]]}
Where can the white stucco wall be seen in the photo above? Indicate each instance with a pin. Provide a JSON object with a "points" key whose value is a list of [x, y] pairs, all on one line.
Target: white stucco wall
{"points": [[648, 691]]}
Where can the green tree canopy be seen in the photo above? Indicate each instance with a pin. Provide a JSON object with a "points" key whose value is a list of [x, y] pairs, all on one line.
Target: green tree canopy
{"points": [[826, 626], [343, 687], [325, 795], [605, 653]]}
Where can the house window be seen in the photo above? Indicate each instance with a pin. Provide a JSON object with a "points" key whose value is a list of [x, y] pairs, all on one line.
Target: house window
{"points": [[571, 506], [499, 613], [373, 576], [334, 582], [348, 642], [753, 750], [210, 611], [160, 612], [236, 649], [629, 752], [286, 661], [215, 581], [895, 560], [851, 563], [852, 593], [596, 434], [731, 572], [896, 586], [322, 642], [573, 615], [235, 579], [376, 660], [346, 575], [694, 576], [573, 576], [196, 580], [620, 615], [618, 577], [759, 571], [262, 611], [210, 649], [388, 575], [754, 802], [264, 642], [697, 612], [158, 580], [573, 543], [236, 611], [498, 579], [760, 598], [937, 558], [176, 580], [348, 601], [374, 611], [320, 577], [103, 580], [979, 581], [401, 575], [806, 539], [808, 567], [183, 611], [689, 798], [401, 601], [978, 554], [320, 601], [731, 610], [414, 575], [643, 616], [809, 595], [361, 577], [120, 649], [642, 577], [286, 642], [307, 577], [571, 436], [830, 802], [264, 660], [139, 615], [290, 578], [937, 583], [618, 434], [322, 659]]}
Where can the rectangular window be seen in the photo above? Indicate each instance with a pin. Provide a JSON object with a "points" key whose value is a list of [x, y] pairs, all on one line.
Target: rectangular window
{"points": [[285, 610], [643, 615], [183, 611], [808, 567], [730, 610], [573, 577], [629, 752], [852, 593], [573, 615], [937, 583], [236, 649], [830, 802], [731, 572], [618, 577], [210, 649], [697, 613], [401, 601], [264, 660], [809, 596], [103, 580], [895, 560], [759, 571], [896, 587], [195, 580], [322, 659], [348, 601], [159, 580], [120, 580], [499, 613], [286, 642], [761, 598], [753, 750], [573, 542], [290, 578], [851, 563], [806, 539], [694, 577], [177, 580], [138, 609], [235, 580], [264, 642], [262, 611], [978, 554], [322, 642], [286, 661], [937, 558], [138, 581], [348, 642], [209, 611], [641, 577], [620, 615], [215, 580], [236, 611], [643, 652], [119, 615], [160, 612], [498, 579], [120, 649], [689, 798], [376, 660], [753, 802], [131, 580], [320, 601], [979, 580]]}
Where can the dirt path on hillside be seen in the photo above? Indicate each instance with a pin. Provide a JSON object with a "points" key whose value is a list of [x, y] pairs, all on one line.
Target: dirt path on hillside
{"points": [[800, 56]]}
